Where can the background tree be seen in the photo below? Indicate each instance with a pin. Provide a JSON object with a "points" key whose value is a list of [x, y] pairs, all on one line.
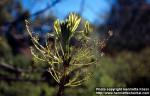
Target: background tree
{"points": [[129, 21]]}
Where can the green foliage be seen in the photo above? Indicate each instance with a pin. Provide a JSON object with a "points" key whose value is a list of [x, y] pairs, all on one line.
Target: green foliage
{"points": [[23, 89], [6, 56], [4, 48], [17, 88], [120, 71]]}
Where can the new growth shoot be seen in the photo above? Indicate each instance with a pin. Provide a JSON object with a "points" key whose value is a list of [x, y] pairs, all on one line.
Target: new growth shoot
{"points": [[71, 53]]}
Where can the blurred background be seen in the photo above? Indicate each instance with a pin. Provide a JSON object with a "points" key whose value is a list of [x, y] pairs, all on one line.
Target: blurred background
{"points": [[126, 60]]}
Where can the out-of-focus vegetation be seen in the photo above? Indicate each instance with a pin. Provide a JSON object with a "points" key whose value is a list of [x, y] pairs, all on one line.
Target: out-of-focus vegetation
{"points": [[134, 72], [130, 22], [125, 63]]}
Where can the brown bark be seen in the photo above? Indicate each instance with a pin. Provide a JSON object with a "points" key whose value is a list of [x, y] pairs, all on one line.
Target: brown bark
{"points": [[64, 79], [61, 90]]}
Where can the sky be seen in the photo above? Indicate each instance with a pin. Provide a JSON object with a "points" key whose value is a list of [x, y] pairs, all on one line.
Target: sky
{"points": [[93, 10]]}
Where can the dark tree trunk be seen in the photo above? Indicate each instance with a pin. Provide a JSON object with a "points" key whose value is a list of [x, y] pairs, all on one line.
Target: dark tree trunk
{"points": [[62, 85], [61, 90], [64, 79]]}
